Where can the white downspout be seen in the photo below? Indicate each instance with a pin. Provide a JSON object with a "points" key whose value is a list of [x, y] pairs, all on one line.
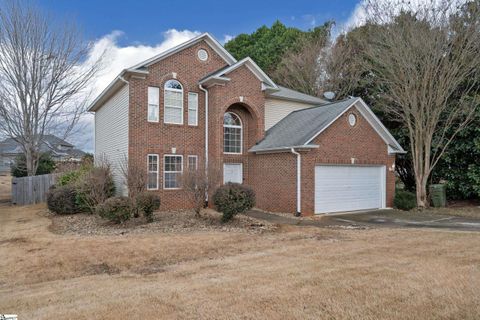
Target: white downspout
{"points": [[299, 182], [206, 137]]}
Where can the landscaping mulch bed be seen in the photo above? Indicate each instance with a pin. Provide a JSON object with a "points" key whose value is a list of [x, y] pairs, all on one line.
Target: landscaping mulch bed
{"points": [[164, 221]]}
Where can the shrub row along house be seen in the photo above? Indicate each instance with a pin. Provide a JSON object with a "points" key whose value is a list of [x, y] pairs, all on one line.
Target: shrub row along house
{"points": [[195, 107]]}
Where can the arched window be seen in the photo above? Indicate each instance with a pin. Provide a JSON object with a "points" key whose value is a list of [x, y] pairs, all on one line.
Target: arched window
{"points": [[173, 102], [232, 133]]}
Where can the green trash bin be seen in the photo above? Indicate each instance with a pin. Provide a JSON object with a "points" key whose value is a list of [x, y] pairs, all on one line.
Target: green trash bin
{"points": [[438, 194]]}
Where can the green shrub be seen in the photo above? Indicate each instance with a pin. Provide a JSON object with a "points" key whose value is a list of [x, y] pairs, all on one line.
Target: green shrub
{"points": [[233, 198], [94, 187], [116, 209], [147, 202], [62, 200], [404, 200], [46, 165], [69, 178]]}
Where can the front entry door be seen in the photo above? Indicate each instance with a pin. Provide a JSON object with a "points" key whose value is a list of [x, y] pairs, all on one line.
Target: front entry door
{"points": [[232, 172]]}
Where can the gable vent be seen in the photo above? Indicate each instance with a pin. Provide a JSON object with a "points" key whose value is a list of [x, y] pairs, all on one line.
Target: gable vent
{"points": [[202, 54]]}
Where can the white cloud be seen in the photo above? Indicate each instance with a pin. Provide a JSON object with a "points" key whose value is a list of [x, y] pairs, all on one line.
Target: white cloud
{"points": [[116, 59], [227, 38]]}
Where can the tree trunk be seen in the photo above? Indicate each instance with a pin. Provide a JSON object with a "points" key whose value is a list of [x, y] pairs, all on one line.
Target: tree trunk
{"points": [[421, 190], [31, 162]]}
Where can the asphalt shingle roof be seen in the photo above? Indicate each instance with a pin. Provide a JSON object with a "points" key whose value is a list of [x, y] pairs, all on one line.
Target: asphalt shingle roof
{"points": [[49, 143], [299, 126]]}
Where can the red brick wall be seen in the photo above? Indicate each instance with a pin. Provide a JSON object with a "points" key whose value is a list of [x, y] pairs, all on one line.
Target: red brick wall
{"points": [[274, 180], [338, 144], [159, 138], [273, 176], [243, 96], [276, 183]]}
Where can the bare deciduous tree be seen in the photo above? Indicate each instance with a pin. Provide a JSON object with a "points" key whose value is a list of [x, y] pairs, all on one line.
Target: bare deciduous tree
{"points": [[197, 183], [427, 60], [302, 69], [44, 70], [134, 177]]}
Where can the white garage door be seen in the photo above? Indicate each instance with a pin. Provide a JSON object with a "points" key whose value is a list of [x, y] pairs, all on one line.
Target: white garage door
{"points": [[349, 188]]}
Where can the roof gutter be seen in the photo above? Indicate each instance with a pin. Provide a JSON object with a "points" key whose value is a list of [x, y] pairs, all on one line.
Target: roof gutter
{"points": [[286, 149], [299, 182], [206, 138]]}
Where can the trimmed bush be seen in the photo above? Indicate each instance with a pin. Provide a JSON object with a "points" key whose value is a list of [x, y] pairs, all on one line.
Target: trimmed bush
{"points": [[147, 202], [62, 200], [404, 200], [233, 198], [116, 209]]}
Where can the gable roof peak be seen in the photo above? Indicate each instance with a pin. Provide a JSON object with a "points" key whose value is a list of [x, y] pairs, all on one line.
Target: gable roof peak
{"points": [[212, 42]]}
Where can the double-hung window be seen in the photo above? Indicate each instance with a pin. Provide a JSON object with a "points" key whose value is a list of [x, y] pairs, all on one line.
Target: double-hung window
{"points": [[192, 163], [192, 109], [172, 171], [152, 169], [153, 105], [173, 101]]}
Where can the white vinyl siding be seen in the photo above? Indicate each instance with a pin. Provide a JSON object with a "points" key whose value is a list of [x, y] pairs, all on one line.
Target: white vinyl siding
{"points": [[152, 171], [192, 109], [276, 110], [111, 135], [153, 104]]}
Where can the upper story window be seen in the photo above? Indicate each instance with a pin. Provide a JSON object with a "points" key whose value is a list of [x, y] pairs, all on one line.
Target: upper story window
{"points": [[232, 133], [192, 109], [173, 102], [153, 104]]}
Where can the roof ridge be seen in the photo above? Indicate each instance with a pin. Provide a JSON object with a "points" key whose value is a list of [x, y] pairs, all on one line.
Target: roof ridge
{"points": [[325, 105]]}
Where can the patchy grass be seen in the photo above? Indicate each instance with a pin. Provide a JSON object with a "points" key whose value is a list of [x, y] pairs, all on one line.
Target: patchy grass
{"points": [[293, 273]]}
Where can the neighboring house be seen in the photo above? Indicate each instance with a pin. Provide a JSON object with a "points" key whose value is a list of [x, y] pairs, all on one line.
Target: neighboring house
{"points": [[59, 149], [195, 105]]}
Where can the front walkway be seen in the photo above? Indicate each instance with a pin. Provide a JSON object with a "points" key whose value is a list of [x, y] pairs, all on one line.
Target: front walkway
{"points": [[378, 218]]}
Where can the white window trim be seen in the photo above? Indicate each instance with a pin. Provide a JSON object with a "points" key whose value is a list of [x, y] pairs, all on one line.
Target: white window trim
{"points": [[148, 169], [164, 172], [196, 110], [196, 161], [158, 105], [241, 134], [233, 163], [165, 105]]}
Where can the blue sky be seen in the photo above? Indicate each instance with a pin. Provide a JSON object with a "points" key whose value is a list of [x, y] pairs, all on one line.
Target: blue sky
{"points": [[144, 21], [128, 31]]}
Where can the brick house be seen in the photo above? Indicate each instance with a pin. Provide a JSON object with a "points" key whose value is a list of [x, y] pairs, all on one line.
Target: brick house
{"points": [[195, 106]]}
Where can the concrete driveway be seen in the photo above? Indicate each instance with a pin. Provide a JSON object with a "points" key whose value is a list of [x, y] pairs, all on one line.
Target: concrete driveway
{"points": [[377, 218], [394, 218]]}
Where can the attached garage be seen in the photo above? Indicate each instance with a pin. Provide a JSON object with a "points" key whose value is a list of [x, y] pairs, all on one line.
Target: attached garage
{"points": [[344, 161], [349, 188]]}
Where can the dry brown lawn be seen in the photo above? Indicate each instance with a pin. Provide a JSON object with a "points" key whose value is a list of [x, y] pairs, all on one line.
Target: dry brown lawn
{"points": [[5, 187], [291, 273]]}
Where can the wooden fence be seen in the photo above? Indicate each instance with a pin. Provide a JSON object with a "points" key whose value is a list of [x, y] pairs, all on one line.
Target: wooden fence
{"points": [[30, 190]]}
